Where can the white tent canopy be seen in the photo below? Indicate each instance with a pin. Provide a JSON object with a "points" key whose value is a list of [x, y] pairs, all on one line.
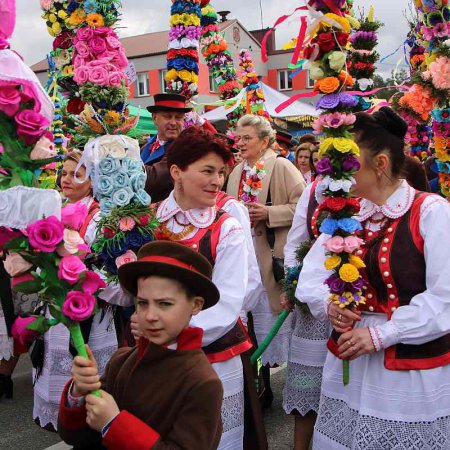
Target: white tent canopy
{"points": [[273, 99]]}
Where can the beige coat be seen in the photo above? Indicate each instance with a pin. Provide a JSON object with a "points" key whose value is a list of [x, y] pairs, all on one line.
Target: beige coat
{"points": [[286, 185]]}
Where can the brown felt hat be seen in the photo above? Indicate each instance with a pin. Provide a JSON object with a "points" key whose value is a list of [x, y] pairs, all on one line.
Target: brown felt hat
{"points": [[171, 260], [169, 102]]}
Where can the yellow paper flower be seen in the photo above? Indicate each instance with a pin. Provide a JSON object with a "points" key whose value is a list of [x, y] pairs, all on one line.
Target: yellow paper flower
{"points": [[67, 71], [185, 19], [185, 75], [332, 262], [56, 27], [348, 273], [62, 14], [51, 32], [95, 20], [356, 261], [345, 145], [342, 21], [325, 146], [171, 75], [52, 18]]}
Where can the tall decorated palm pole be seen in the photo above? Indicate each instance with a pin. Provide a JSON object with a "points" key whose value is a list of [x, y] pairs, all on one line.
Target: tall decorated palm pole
{"points": [[428, 97], [328, 34]]}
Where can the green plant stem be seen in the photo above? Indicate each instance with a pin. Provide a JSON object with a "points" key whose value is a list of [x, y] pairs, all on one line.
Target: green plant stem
{"points": [[345, 371], [78, 342], [269, 338]]}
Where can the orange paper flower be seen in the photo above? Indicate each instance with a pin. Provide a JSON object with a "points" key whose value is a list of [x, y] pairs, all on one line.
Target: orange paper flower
{"points": [[327, 85], [346, 79], [95, 20]]}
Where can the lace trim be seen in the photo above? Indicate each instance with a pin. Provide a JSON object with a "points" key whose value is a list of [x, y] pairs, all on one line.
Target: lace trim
{"points": [[307, 327], [302, 389], [346, 426], [233, 412]]}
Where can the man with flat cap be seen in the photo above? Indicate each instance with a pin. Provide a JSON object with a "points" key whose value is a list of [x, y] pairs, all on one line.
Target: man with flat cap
{"points": [[168, 116]]}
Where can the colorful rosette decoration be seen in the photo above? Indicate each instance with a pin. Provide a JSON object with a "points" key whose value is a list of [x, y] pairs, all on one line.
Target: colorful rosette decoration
{"points": [[428, 97], [329, 30], [218, 58], [252, 183], [182, 56], [119, 180], [363, 57]]}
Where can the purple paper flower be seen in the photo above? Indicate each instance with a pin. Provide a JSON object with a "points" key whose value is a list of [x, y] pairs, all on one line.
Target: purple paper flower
{"points": [[350, 163], [335, 284], [324, 167], [347, 100], [328, 101], [358, 284]]}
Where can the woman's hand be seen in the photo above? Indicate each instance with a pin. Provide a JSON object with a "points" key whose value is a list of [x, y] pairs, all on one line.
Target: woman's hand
{"points": [[342, 319], [257, 212], [285, 302], [100, 411], [85, 374], [134, 325], [355, 343]]}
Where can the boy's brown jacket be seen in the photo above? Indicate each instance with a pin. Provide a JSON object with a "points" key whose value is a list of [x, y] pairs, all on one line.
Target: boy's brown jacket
{"points": [[169, 399]]}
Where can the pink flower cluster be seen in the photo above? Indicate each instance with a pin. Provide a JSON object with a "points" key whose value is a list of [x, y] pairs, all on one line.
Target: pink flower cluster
{"points": [[440, 72], [15, 102], [333, 120], [98, 57], [338, 244]]}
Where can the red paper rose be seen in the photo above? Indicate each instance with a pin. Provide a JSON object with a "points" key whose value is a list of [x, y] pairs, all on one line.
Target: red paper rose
{"points": [[353, 204], [334, 203], [326, 42], [108, 232]]}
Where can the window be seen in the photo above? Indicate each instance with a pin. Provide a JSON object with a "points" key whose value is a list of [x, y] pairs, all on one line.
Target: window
{"points": [[141, 84], [162, 80], [284, 82], [212, 83], [309, 81]]}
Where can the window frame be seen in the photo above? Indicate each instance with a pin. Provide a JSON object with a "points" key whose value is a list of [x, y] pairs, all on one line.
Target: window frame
{"points": [[162, 81], [213, 87], [147, 85], [287, 80]]}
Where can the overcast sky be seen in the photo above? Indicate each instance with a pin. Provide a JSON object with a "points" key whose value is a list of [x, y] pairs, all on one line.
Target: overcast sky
{"points": [[32, 41]]}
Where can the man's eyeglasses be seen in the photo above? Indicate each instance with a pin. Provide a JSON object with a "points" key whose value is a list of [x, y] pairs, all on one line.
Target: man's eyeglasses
{"points": [[244, 139]]}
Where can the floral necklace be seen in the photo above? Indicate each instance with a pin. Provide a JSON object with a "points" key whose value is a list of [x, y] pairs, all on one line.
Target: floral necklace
{"points": [[171, 236], [251, 183]]}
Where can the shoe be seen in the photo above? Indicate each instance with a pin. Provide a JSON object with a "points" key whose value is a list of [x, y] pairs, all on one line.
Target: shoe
{"points": [[6, 386]]}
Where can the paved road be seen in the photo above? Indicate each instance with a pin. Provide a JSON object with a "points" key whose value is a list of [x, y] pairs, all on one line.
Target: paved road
{"points": [[18, 431]]}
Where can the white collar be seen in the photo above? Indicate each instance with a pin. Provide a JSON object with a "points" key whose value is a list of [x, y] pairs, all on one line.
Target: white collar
{"points": [[160, 141], [199, 217], [397, 205]]}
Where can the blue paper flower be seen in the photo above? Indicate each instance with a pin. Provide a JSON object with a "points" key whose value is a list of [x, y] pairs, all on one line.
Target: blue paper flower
{"points": [[122, 196], [106, 205], [349, 225], [121, 179], [138, 181], [134, 239], [89, 6], [108, 165], [329, 226], [142, 197], [105, 185], [131, 166]]}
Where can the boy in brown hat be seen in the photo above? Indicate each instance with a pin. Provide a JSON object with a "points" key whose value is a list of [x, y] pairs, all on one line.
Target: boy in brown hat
{"points": [[163, 393]]}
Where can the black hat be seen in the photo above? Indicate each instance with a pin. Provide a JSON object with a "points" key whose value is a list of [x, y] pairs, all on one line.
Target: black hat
{"points": [[171, 260], [284, 138], [169, 102]]}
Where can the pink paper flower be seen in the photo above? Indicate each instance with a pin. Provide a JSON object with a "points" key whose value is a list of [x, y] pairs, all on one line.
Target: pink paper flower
{"points": [[115, 78], [72, 242], [30, 125], [112, 42], [126, 223], [70, 269], [15, 265], [78, 306], [46, 234], [10, 99], [127, 257], [6, 234], [1, 149], [73, 215], [335, 244], [84, 250], [84, 34], [92, 282], [46, 4], [440, 72], [44, 149], [97, 45], [98, 75], [81, 75], [352, 243], [82, 49], [19, 279], [20, 331]]}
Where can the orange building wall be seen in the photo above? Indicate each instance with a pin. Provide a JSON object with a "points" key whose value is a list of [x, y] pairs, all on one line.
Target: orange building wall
{"points": [[203, 80], [298, 82], [153, 79]]}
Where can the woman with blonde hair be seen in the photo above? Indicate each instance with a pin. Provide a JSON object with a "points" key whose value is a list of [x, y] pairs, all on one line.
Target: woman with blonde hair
{"points": [[271, 207]]}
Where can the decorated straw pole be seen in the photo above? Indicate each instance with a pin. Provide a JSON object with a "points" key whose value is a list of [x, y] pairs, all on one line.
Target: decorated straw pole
{"points": [[220, 63], [183, 57], [428, 97], [362, 56], [329, 34]]}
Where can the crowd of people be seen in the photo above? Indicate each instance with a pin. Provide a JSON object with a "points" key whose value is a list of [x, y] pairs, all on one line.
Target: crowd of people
{"points": [[170, 345]]}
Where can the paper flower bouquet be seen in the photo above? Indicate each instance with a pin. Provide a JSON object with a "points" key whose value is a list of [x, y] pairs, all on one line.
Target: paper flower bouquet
{"points": [[119, 180]]}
